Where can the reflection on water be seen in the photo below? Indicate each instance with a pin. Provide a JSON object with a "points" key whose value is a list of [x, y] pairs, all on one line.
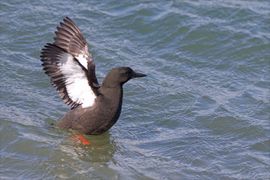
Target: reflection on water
{"points": [[101, 148], [71, 156]]}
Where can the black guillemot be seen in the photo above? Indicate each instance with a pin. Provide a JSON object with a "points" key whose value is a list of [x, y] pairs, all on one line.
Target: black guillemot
{"points": [[95, 108]]}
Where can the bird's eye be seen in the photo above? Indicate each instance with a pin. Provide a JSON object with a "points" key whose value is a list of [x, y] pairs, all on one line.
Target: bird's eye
{"points": [[128, 73]]}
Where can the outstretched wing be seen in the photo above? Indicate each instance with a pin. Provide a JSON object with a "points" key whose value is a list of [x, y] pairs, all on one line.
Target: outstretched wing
{"points": [[70, 66]]}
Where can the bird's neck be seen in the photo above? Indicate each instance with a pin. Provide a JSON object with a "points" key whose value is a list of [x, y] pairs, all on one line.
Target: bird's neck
{"points": [[112, 101], [112, 81]]}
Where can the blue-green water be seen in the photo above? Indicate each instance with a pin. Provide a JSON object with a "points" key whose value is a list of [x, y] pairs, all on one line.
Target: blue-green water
{"points": [[203, 112]]}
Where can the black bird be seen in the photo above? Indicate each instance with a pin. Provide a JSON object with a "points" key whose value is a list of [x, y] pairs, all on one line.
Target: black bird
{"points": [[94, 108]]}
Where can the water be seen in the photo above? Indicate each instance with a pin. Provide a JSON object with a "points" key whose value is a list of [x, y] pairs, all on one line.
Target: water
{"points": [[203, 111]]}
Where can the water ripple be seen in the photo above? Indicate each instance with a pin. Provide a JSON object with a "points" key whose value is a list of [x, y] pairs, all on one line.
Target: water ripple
{"points": [[202, 112]]}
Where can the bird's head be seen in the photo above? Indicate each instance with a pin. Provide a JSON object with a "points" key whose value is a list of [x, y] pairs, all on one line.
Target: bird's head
{"points": [[120, 75]]}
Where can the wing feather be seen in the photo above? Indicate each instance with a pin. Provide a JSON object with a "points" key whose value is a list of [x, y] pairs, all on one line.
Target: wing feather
{"points": [[70, 66]]}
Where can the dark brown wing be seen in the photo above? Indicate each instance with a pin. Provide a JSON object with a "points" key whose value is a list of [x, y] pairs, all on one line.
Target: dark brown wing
{"points": [[67, 76], [69, 37], [70, 66]]}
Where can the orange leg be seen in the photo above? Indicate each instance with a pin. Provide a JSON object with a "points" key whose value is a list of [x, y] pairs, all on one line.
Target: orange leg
{"points": [[82, 139]]}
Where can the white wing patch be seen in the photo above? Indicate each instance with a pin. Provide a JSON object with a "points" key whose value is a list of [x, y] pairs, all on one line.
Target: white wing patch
{"points": [[82, 58], [76, 82]]}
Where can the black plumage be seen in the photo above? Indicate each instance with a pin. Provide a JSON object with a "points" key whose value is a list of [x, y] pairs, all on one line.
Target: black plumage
{"points": [[67, 61]]}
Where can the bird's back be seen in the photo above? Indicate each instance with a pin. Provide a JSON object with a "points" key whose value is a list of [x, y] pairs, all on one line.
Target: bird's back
{"points": [[98, 118]]}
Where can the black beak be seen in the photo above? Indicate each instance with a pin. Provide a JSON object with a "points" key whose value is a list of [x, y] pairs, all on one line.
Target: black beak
{"points": [[137, 75]]}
